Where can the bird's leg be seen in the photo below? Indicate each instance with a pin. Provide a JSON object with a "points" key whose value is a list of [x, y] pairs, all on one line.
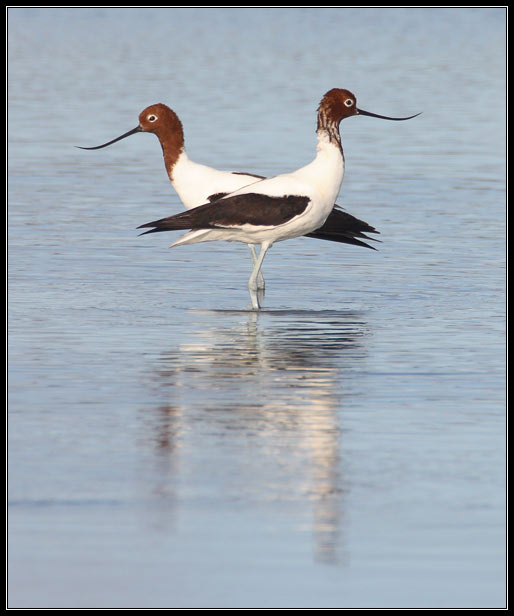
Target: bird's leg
{"points": [[256, 297], [260, 277], [252, 282]]}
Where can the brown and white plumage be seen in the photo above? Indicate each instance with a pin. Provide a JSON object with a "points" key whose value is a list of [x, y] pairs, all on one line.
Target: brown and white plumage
{"points": [[224, 205]]}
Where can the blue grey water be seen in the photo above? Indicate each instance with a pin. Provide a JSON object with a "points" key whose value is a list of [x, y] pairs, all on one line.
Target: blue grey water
{"points": [[168, 446]]}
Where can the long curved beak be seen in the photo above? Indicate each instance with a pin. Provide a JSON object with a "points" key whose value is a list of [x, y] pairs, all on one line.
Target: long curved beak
{"points": [[97, 147], [375, 115]]}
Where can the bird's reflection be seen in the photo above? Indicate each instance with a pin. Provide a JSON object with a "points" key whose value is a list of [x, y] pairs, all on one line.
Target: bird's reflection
{"points": [[250, 407]]}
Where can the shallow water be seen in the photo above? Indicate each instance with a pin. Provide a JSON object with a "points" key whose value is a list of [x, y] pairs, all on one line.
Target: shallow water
{"points": [[342, 448]]}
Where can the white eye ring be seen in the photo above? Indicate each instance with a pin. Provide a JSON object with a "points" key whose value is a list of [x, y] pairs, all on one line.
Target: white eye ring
{"points": [[151, 118], [348, 102]]}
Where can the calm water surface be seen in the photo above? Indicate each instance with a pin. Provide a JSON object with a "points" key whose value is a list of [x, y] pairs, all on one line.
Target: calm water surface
{"points": [[342, 448]]}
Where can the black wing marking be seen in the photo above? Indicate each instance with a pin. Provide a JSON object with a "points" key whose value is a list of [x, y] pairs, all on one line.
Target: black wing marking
{"points": [[217, 196], [220, 195], [251, 175], [345, 228], [251, 208]]}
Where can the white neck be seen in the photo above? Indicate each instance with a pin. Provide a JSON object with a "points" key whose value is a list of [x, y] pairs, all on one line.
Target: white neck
{"points": [[326, 171]]}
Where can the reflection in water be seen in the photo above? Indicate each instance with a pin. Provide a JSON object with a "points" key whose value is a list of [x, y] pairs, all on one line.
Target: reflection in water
{"points": [[251, 413]]}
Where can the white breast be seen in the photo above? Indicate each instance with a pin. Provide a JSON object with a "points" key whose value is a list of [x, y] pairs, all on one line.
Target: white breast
{"points": [[195, 183]]}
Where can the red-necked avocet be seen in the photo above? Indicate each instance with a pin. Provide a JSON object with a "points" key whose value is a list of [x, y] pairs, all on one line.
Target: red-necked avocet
{"points": [[278, 208], [197, 184]]}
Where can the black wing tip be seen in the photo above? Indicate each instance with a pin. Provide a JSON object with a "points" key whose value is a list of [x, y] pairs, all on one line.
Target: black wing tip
{"points": [[147, 232], [357, 242], [178, 222], [153, 227], [345, 238]]}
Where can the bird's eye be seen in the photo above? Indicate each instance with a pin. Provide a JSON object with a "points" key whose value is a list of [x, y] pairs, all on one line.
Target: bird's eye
{"points": [[151, 117], [348, 102]]}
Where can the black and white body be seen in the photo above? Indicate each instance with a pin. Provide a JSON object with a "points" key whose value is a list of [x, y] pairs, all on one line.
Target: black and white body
{"points": [[278, 208], [197, 184]]}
